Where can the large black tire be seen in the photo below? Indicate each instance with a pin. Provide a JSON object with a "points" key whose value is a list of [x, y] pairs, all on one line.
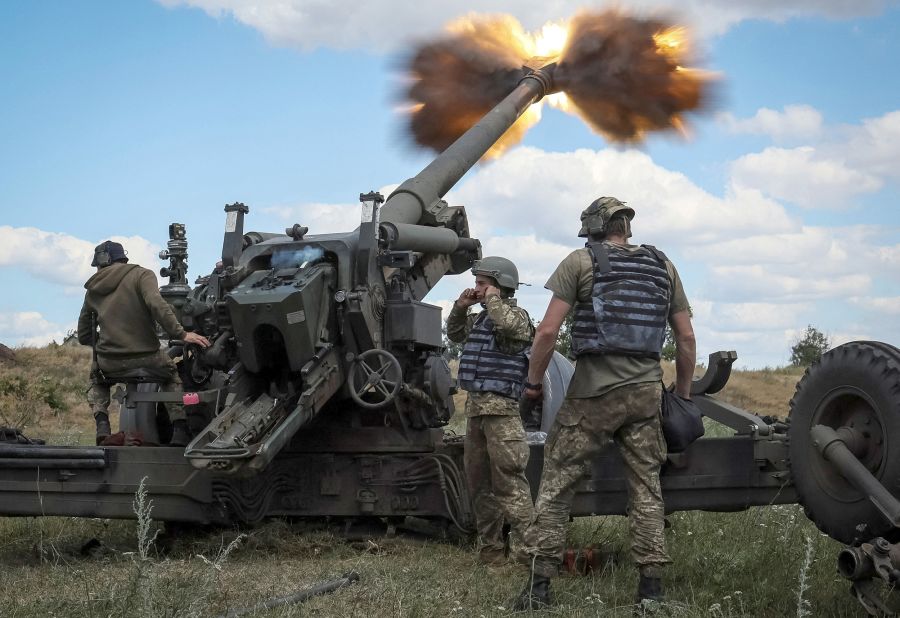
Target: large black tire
{"points": [[858, 385]]}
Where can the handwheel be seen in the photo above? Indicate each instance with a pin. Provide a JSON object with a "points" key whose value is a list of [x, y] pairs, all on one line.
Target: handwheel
{"points": [[376, 375]]}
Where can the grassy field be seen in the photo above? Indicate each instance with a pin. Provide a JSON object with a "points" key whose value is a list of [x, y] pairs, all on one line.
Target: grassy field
{"points": [[761, 562]]}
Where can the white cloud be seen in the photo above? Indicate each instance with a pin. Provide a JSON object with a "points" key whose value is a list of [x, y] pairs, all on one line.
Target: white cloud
{"points": [[796, 121], [833, 169], [816, 256], [803, 177], [753, 316], [873, 146], [530, 191], [788, 283], [62, 258], [385, 26], [30, 329], [886, 305]]}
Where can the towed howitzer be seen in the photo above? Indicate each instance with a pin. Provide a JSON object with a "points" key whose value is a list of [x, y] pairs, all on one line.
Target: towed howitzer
{"points": [[300, 322], [325, 383]]}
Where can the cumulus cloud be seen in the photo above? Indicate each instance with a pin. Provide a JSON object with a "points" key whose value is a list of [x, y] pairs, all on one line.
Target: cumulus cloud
{"points": [[31, 329], [543, 193], [379, 25], [62, 258], [804, 178], [795, 122], [873, 146], [835, 166], [812, 253]]}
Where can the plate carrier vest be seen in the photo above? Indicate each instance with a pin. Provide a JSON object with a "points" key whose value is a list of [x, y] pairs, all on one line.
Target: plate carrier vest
{"points": [[629, 303], [484, 368]]}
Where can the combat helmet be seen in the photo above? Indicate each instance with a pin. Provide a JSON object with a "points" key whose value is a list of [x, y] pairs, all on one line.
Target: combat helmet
{"points": [[502, 270], [597, 216]]}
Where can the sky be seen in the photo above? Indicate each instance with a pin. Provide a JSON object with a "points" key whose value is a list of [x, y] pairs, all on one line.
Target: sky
{"points": [[780, 210]]}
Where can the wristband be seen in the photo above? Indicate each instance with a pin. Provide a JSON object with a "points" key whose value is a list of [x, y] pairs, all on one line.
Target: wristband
{"points": [[534, 387]]}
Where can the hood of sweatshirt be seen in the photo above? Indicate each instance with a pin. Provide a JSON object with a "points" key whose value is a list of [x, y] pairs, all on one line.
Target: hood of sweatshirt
{"points": [[107, 279]]}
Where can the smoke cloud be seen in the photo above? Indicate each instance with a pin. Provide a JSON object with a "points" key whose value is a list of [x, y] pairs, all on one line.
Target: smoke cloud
{"points": [[624, 76], [294, 258]]}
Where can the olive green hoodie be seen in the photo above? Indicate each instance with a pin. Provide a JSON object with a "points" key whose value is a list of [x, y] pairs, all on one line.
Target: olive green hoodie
{"points": [[127, 302]]}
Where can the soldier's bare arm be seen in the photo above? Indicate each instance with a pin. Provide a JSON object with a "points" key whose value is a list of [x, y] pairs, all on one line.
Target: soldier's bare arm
{"points": [[685, 352], [545, 339]]}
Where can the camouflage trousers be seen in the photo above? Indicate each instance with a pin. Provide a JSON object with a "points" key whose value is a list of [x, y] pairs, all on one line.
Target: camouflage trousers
{"points": [[495, 458], [631, 416], [158, 364]]}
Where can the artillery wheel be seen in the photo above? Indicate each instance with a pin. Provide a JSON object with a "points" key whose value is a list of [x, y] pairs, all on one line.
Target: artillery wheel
{"points": [[855, 385], [376, 375]]}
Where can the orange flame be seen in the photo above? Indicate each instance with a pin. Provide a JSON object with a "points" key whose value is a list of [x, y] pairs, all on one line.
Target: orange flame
{"points": [[622, 75]]}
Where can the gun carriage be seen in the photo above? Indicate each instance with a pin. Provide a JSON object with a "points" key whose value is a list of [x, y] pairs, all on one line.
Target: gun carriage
{"points": [[325, 393]]}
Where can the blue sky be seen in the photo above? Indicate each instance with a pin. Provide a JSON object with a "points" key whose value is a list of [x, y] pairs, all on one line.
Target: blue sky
{"points": [[780, 211]]}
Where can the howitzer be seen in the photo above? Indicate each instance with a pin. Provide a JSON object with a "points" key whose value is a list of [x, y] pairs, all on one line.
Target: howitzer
{"points": [[324, 393], [303, 321]]}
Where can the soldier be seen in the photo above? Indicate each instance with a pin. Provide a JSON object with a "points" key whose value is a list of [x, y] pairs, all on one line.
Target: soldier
{"points": [[492, 367], [623, 295], [121, 307]]}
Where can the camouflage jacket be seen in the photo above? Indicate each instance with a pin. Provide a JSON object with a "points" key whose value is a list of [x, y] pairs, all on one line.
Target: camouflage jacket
{"points": [[513, 328]]}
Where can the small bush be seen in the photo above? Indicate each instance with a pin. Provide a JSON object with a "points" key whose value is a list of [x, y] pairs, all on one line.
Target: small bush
{"points": [[809, 348]]}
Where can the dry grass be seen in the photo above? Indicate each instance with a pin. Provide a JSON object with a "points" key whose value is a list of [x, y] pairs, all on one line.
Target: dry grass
{"points": [[725, 564], [43, 392]]}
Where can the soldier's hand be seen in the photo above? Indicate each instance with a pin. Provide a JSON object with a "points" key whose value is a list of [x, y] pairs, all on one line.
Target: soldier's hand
{"points": [[527, 408], [200, 340], [491, 290], [467, 298]]}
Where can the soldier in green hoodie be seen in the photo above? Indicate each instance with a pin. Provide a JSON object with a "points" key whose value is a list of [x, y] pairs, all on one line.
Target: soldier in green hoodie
{"points": [[121, 308]]}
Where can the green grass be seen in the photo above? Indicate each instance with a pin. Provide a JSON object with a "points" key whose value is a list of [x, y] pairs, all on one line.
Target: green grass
{"points": [[724, 564], [748, 563]]}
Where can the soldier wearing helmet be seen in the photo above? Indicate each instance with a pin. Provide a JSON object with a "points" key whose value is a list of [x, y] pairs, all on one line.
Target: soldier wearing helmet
{"points": [[492, 368], [623, 296], [122, 306]]}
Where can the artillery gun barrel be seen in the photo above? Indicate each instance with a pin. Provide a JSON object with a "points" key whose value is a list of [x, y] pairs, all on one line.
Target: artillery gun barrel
{"points": [[407, 203]]}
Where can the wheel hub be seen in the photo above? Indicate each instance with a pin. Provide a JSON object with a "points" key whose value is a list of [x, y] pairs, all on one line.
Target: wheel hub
{"points": [[856, 419]]}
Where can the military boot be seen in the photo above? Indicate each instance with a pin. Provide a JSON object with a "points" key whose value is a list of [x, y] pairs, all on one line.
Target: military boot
{"points": [[535, 595], [103, 428], [650, 589], [180, 435]]}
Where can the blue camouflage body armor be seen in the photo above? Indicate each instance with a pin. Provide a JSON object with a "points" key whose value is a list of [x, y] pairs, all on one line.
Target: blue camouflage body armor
{"points": [[629, 303], [483, 367]]}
